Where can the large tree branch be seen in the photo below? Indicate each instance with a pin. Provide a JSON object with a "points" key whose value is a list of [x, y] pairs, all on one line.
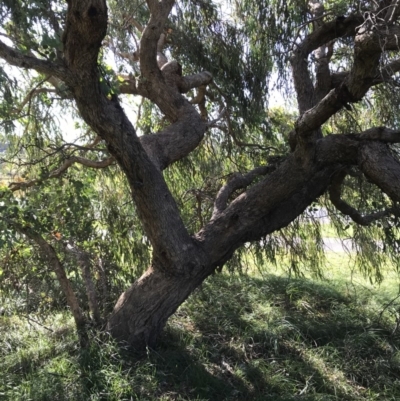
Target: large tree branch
{"points": [[320, 37], [16, 58], [312, 115], [129, 85], [365, 67], [338, 97], [380, 166], [189, 82], [385, 74], [156, 207], [181, 137], [370, 42], [263, 208], [381, 134], [344, 149], [313, 118], [337, 149], [177, 140], [162, 83], [369, 45], [279, 198], [85, 28], [150, 37]]}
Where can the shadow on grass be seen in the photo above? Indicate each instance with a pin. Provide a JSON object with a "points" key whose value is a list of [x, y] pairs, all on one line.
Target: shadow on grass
{"points": [[237, 338], [278, 339]]}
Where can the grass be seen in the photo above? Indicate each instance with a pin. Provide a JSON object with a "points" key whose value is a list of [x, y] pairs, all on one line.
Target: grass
{"points": [[256, 337]]}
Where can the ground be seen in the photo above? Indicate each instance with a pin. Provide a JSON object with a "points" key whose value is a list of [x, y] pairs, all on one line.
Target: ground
{"points": [[240, 337]]}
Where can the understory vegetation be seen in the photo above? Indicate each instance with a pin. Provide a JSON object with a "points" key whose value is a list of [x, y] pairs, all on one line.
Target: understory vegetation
{"points": [[259, 336]]}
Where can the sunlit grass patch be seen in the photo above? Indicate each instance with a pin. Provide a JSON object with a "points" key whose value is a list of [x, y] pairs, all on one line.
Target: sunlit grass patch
{"points": [[293, 335], [257, 337]]}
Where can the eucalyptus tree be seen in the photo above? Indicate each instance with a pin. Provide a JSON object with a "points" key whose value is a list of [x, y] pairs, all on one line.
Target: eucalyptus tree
{"points": [[206, 165]]}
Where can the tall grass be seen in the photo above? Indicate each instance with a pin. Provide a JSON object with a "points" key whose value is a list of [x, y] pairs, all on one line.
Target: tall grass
{"points": [[256, 337]]}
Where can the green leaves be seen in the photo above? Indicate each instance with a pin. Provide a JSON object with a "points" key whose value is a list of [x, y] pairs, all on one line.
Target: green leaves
{"points": [[50, 45], [109, 81]]}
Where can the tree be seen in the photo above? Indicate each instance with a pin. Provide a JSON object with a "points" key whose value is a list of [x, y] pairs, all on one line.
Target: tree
{"points": [[344, 67]]}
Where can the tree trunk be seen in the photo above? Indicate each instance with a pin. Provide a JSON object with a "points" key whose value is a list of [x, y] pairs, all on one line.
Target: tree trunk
{"points": [[142, 311]]}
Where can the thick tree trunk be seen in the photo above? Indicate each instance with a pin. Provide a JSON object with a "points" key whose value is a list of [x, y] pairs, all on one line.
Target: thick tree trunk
{"points": [[142, 311]]}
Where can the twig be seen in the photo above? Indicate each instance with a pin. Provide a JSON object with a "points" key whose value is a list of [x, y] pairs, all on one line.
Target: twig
{"points": [[335, 192], [35, 321], [387, 306]]}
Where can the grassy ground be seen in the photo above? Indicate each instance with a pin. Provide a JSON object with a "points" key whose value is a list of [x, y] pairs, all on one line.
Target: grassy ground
{"points": [[256, 337]]}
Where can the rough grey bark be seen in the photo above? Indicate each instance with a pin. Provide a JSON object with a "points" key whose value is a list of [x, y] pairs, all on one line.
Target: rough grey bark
{"points": [[182, 261]]}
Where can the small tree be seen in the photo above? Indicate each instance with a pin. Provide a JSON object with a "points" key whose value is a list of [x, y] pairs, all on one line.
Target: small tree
{"points": [[212, 168]]}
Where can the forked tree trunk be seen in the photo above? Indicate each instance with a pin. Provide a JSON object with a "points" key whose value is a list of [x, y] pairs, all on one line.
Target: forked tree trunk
{"points": [[142, 311]]}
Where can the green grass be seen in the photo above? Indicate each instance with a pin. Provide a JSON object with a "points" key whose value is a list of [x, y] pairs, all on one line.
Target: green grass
{"points": [[256, 337]]}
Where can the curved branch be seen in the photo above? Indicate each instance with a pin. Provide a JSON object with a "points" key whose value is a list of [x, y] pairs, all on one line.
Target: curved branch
{"points": [[322, 35], [15, 186], [335, 192], [184, 84], [379, 165], [177, 140], [370, 42], [164, 87], [264, 207], [162, 81], [351, 90], [189, 82], [151, 36], [384, 75], [33, 93], [237, 181], [181, 137]]}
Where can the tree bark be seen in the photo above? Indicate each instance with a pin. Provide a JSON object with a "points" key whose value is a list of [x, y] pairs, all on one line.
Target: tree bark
{"points": [[142, 311]]}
